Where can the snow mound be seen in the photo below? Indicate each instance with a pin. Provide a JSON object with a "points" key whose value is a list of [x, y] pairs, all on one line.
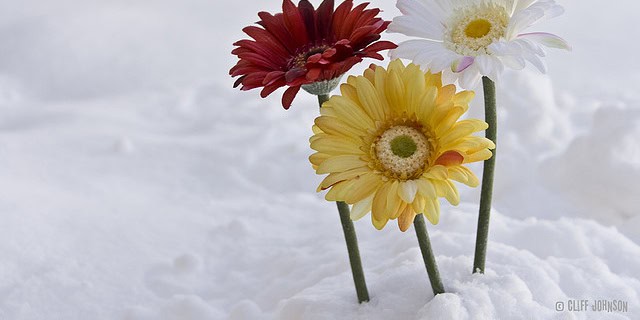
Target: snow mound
{"points": [[532, 264]]}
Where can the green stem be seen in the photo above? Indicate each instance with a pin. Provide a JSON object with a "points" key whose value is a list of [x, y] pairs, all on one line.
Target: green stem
{"points": [[351, 240], [484, 214], [427, 254]]}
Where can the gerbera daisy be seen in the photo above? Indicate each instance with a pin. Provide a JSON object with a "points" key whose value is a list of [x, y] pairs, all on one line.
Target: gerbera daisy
{"points": [[392, 144], [467, 39], [304, 46]]}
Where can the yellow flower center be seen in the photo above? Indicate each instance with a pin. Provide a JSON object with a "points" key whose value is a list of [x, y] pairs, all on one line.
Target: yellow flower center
{"points": [[472, 29], [402, 151], [403, 146], [477, 28]]}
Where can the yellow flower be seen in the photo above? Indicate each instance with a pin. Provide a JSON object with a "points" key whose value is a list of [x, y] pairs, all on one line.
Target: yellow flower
{"points": [[392, 144]]}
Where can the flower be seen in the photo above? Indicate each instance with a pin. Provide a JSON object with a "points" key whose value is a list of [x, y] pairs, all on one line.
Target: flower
{"points": [[467, 39], [392, 144], [303, 46]]}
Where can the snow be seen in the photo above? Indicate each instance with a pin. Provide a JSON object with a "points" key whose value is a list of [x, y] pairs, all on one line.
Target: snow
{"points": [[136, 184]]}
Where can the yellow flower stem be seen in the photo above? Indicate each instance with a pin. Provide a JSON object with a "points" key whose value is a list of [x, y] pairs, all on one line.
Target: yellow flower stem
{"points": [[351, 240], [427, 254], [484, 214]]}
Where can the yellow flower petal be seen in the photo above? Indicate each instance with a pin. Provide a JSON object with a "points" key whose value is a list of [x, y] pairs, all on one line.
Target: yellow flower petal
{"points": [[351, 113], [316, 129], [369, 74], [481, 155], [334, 126], [463, 98], [394, 88], [463, 175], [372, 103], [358, 141], [471, 144], [446, 93], [427, 105], [446, 123], [462, 129], [336, 177], [379, 217], [335, 145], [361, 208], [350, 92], [406, 218], [432, 211], [340, 163], [433, 79], [415, 89], [446, 189], [396, 66], [426, 188], [317, 158], [437, 172], [363, 186], [393, 201], [418, 204]]}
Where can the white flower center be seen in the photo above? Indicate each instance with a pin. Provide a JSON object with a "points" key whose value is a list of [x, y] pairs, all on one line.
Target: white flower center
{"points": [[402, 150], [472, 29]]}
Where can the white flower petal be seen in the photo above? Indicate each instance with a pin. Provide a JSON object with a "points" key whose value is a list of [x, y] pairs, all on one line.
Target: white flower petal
{"points": [[429, 54], [515, 62], [470, 78], [484, 64], [416, 27], [411, 48], [458, 57], [534, 13], [443, 60], [523, 4], [536, 61], [407, 191], [546, 39], [460, 64], [494, 67]]}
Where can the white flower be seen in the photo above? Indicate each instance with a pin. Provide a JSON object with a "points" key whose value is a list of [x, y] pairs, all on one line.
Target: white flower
{"points": [[467, 39]]}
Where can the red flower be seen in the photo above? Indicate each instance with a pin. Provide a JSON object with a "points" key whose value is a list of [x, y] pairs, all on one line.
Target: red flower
{"points": [[304, 45]]}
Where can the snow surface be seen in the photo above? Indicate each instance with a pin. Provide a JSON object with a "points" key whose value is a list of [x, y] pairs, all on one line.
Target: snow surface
{"points": [[136, 184]]}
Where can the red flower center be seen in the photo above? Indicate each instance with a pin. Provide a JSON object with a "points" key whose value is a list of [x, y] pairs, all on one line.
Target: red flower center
{"points": [[300, 61]]}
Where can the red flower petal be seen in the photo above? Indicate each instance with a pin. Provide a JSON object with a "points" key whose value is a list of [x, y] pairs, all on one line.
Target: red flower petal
{"points": [[308, 16], [268, 89], [339, 16], [314, 58], [380, 45], [287, 97], [271, 76], [303, 45], [349, 22], [293, 74], [238, 81], [324, 19], [313, 74], [274, 26], [294, 23]]}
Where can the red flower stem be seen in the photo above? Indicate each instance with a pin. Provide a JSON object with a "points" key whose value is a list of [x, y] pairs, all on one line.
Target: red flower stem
{"points": [[427, 254], [484, 215], [351, 240]]}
